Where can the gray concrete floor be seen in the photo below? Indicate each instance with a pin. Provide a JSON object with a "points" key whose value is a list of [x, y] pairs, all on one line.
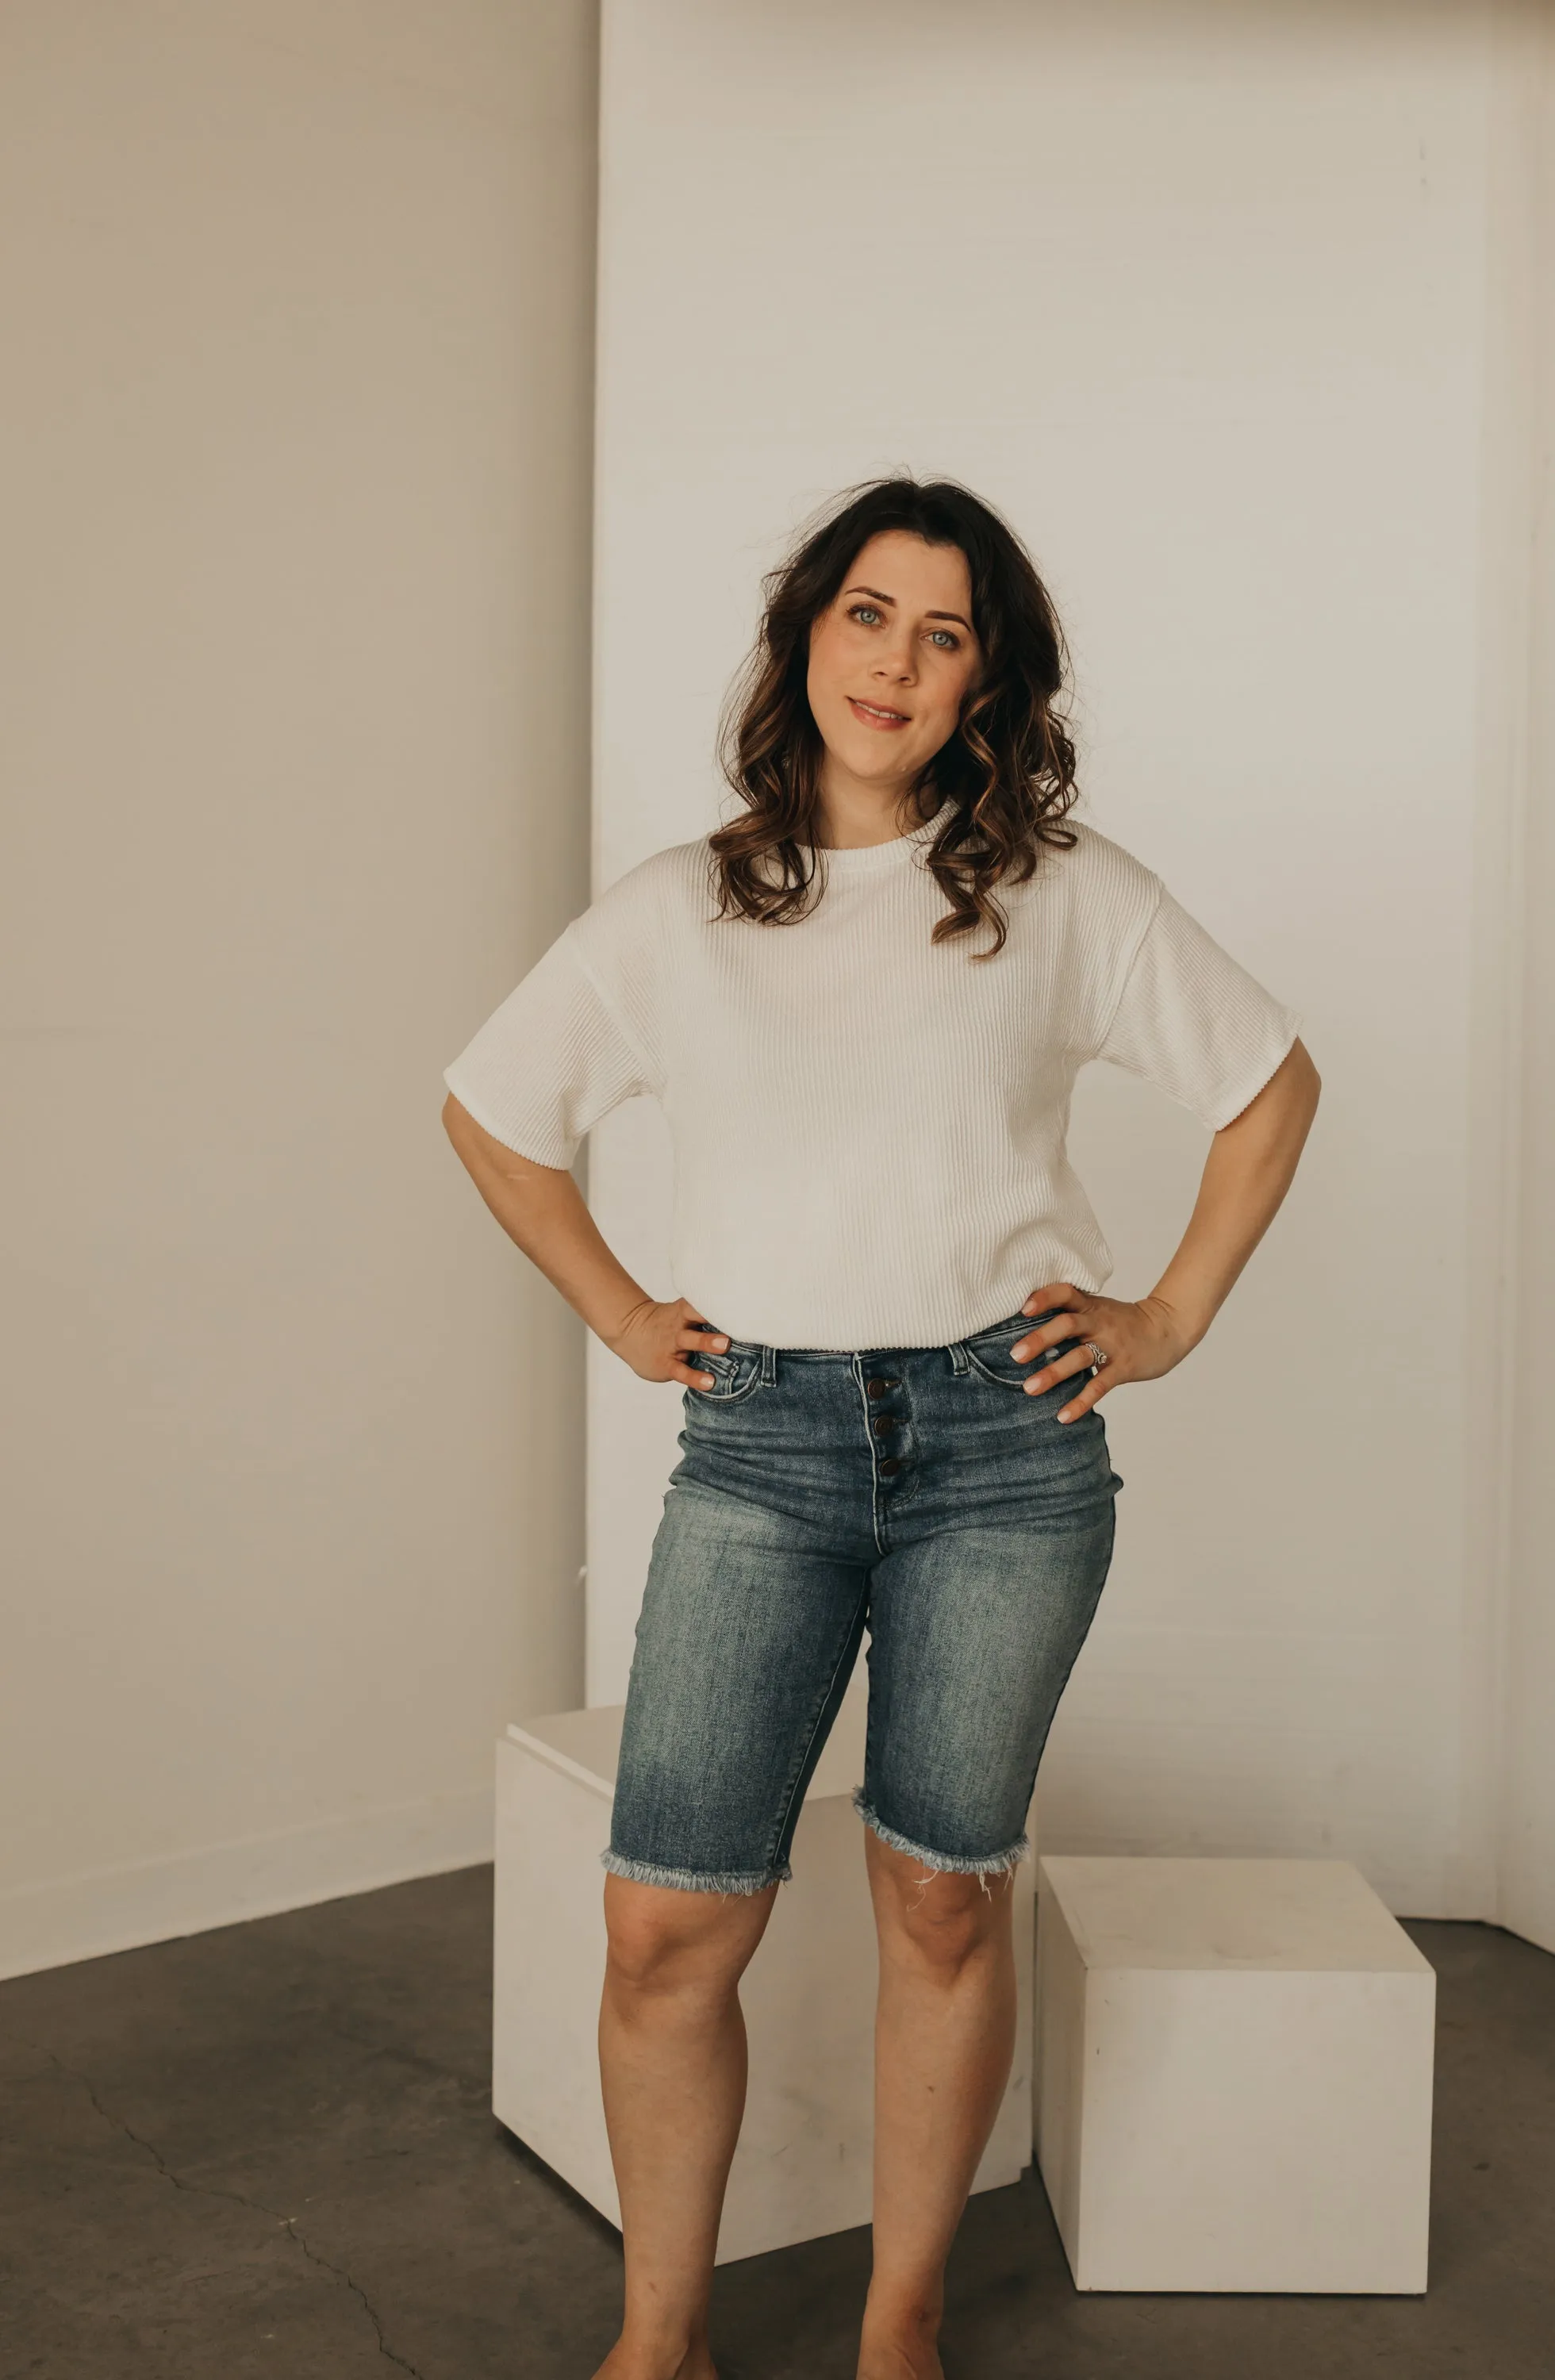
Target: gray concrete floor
{"points": [[268, 2150]]}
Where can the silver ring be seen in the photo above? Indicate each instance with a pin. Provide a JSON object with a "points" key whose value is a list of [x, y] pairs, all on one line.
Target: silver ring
{"points": [[1096, 1351]]}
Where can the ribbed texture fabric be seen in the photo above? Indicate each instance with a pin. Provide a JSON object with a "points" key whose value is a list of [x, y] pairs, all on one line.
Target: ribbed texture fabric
{"points": [[869, 1128]]}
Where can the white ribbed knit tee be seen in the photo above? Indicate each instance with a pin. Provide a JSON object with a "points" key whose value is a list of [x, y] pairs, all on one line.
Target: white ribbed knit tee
{"points": [[869, 1128]]}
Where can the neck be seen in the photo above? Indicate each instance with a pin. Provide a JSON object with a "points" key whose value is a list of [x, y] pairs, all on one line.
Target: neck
{"points": [[853, 813]]}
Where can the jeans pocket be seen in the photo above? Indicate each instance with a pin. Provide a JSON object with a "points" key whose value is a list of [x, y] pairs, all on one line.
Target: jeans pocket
{"points": [[988, 1352], [735, 1371]]}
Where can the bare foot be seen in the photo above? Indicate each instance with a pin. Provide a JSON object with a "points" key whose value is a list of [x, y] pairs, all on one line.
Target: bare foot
{"points": [[902, 2352], [623, 2363]]}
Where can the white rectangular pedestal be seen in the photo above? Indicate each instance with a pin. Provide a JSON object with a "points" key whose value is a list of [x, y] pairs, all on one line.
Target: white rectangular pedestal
{"points": [[1235, 2062], [803, 2165]]}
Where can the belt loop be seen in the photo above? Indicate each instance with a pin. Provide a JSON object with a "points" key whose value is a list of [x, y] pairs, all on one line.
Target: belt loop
{"points": [[769, 1364], [959, 1357]]}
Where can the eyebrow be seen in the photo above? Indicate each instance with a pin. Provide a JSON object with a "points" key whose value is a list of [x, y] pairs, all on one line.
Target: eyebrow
{"points": [[881, 598]]}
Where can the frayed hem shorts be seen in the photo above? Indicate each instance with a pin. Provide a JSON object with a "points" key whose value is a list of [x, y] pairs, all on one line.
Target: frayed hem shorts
{"points": [[917, 1494]]}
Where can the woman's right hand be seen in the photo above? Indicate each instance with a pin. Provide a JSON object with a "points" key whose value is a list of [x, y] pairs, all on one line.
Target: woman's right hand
{"points": [[660, 1342]]}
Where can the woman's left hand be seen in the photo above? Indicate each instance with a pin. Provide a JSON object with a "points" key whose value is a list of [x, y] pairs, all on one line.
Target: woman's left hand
{"points": [[1141, 1339]]}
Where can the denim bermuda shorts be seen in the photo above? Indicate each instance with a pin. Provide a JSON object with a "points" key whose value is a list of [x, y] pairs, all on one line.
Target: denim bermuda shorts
{"points": [[917, 1493]]}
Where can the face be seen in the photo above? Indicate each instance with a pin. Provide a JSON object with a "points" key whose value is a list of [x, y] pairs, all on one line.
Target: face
{"points": [[893, 658]]}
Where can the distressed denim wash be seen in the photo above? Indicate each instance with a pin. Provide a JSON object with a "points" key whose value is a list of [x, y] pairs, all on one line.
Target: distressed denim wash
{"points": [[917, 1493]]}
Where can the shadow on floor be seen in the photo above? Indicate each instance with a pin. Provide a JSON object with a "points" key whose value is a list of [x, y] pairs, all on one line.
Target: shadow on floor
{"points": [[269, 2150]]}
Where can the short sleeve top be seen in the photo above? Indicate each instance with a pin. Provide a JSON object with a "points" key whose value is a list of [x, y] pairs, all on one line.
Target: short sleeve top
{"points": [[869, 1128]]}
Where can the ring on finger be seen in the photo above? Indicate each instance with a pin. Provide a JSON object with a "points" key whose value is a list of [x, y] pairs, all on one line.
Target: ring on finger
{"points": [[1101, 1355]]}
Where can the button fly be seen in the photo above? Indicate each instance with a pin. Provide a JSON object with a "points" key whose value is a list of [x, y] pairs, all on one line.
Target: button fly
{"points": [[883, 1421], [892, 1463]]}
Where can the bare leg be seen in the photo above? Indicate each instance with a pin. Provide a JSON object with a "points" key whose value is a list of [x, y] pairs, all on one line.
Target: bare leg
{"points": [[945, 2038], [673, 2067]]}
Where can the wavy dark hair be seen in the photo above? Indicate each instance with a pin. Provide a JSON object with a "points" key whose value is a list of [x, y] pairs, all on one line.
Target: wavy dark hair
{"points": [[1008, 771]]}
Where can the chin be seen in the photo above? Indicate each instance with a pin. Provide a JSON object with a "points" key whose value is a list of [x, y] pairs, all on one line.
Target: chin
{"points": [[863, 754], [872, 766]]}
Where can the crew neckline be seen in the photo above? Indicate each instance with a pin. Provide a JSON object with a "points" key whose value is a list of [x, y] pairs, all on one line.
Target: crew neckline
{"points": [[859, 859]]}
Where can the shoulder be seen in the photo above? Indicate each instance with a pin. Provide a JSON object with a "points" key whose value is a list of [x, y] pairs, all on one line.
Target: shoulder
{"points": [[1105, 884], [665, 878], [645, 906]]}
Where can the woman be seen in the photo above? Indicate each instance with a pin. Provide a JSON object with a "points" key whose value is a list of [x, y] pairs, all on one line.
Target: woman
{"points": [[862, 1004]]}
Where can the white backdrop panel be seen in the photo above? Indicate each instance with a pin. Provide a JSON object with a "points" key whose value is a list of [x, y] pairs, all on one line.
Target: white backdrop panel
{"points": [[1196, 297]]}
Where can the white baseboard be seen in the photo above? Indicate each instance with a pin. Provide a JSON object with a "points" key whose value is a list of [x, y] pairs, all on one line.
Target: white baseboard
{"points": [[54, 1924]]}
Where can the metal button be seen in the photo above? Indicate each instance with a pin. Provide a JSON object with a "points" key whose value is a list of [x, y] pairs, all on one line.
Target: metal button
{"points": [[883, 1422], [877, 1388], [891, 1463]]}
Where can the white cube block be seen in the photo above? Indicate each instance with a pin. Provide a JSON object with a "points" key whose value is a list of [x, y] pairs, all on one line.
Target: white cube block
{"points": [[1233, 2076], [803, 2165]]}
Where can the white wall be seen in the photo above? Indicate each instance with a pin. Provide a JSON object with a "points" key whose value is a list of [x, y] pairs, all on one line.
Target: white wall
{"points": [[1526, 1477], [297, 308], [1207, 300]]}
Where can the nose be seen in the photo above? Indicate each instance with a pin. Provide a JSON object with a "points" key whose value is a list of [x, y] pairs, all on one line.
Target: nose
{"points": [[895, 660]]}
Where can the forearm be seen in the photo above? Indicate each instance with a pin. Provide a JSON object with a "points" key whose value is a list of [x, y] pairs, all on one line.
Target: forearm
{"points": [[544, 1212], [1248, 1170]]}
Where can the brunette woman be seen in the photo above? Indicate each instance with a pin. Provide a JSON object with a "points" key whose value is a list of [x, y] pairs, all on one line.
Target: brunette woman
{"points": [[862, 1004]]}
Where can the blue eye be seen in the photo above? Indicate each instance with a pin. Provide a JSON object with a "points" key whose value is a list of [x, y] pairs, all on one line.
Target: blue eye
{"points": [[949, 642], [858, 611]]}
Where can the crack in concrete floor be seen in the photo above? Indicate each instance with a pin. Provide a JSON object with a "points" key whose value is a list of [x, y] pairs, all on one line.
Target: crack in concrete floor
{"points": [[287, 2223]]}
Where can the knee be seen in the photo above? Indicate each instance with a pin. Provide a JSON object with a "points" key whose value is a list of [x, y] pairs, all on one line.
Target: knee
{"points": [[940, 1922], [661, 1942], [646, 1949]]}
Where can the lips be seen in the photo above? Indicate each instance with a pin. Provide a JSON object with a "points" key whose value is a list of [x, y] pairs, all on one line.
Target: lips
{"points": [[877, 714]]}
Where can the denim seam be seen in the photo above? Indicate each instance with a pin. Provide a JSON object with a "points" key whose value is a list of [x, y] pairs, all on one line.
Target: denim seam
{"points": [[798, 1768], [726, 1396], [998, 1380], [729, 1396], [979, 1371]]}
